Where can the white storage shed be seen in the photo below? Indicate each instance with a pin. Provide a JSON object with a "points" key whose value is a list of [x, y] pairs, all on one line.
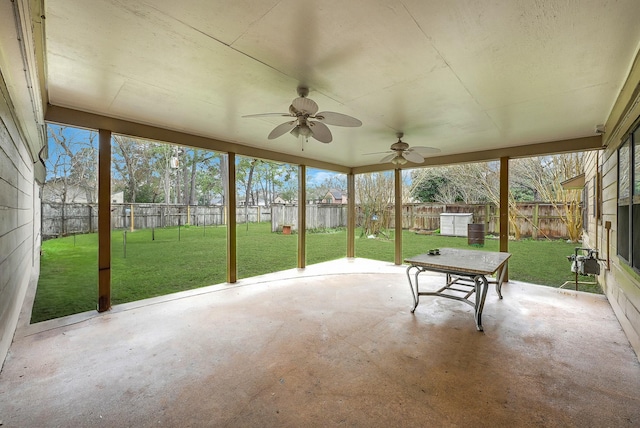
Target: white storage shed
{"points": [[455, 224]]}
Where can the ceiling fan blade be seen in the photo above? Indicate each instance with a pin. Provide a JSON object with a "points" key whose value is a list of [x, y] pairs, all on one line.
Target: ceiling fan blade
{"points": [[387, 158], [282, 129], [305, 105], [320, 132], [412, 156], [337, 119], [267, 115], [377, 153], [424, 150]]}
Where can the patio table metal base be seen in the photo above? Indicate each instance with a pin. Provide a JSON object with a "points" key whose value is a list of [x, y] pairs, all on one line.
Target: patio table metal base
{"points": [[466, 273], [471, 290]]}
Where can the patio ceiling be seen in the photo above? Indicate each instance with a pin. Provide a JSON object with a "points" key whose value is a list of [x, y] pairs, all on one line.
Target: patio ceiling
{"points": [[461, 76]]}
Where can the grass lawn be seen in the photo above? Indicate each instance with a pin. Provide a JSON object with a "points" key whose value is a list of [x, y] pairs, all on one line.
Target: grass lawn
{"points": [[192, 257]]}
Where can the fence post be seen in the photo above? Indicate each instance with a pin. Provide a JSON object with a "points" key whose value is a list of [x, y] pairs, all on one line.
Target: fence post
{"points": [[63, 224], [487, 218], [413, 220], [534, 231], [132, 226]]}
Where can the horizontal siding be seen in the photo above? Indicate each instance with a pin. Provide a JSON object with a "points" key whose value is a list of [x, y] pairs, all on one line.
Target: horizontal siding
{"points": [[610, 198], [17, 242], [620, 283], [623, 292], [15, 267]]}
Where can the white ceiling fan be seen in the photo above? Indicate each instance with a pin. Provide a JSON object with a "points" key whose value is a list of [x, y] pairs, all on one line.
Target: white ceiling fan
{"points": [[401, 153], [308, 122]]}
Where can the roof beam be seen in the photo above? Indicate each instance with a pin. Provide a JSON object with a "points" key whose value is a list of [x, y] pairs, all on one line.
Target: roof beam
{"points": [[84, 119], [538, 149], [87, 120]]}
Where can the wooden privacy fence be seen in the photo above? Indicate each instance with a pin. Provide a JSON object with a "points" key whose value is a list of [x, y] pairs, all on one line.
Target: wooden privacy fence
{"points": [[534, 219], [537, 220], [65, 219], [319, 216], [60, 219]]}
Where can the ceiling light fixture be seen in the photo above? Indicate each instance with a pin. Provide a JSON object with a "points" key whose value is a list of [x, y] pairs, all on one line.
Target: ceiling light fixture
{"points": [[399, 160], [305, 130], [302, 130]]}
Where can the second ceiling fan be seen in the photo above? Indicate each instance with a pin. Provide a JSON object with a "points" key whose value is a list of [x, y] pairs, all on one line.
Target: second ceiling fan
{"points": [[307, 121], [401, 152]]}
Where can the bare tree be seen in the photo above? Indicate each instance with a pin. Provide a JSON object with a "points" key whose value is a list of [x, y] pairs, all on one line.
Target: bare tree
{"points": [[72, 162], [545, 175], [375, 195], [71, 167], [162, 155], [224, 175], [472, 183], [128, 162], [480, 182]]}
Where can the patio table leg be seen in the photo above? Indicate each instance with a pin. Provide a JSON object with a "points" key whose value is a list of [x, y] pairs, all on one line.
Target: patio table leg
{"points": [[500, 279], [481, 286], [416, 293]]}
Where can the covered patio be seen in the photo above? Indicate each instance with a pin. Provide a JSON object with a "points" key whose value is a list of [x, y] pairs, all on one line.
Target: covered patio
{"points": [[334, 344]]}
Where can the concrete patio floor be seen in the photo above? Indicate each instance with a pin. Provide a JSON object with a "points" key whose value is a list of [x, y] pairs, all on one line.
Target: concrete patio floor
{"points": [[332, 345]]}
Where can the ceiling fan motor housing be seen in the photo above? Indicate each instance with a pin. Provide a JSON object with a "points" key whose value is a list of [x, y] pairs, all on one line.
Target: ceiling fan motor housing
{"points": [[400, 146], [303, 110], [303, 91]]}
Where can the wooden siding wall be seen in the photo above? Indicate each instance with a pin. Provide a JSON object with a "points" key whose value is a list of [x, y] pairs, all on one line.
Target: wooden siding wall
{"points": [[19, 222], [620, 283]]}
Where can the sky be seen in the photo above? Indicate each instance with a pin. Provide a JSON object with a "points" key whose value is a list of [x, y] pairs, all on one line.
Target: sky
{"points": [[81, 137], [315, 177]]}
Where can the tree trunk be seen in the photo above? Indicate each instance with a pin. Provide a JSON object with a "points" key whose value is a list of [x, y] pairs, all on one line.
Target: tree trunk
{"points": [[224, 176], [248, 192], [185, 182], [192, 189], [63, 226], [167, 183]]}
